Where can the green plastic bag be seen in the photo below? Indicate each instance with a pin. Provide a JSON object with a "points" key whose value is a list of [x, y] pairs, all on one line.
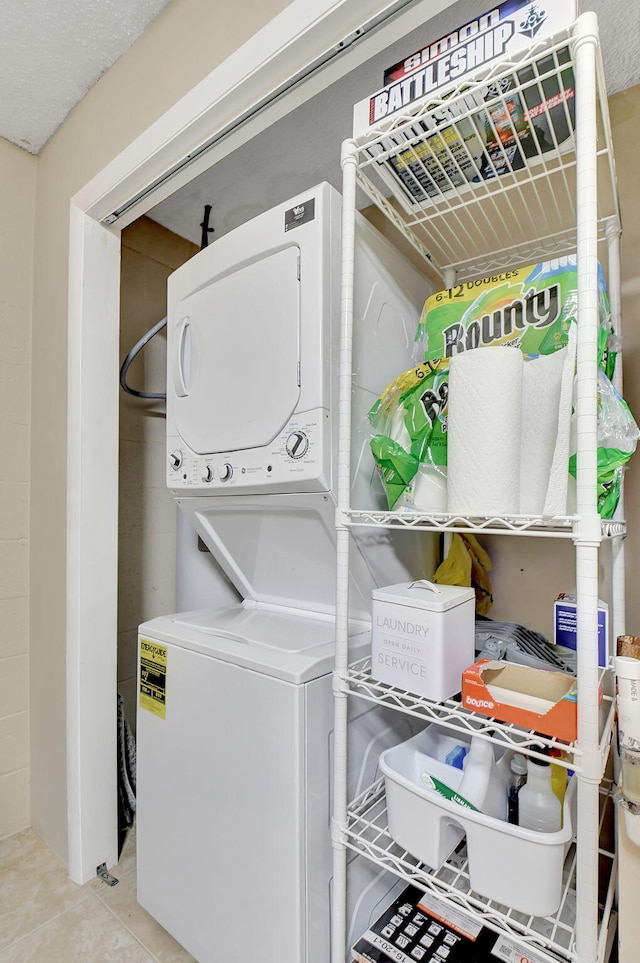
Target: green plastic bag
{"points": [[410, 424], [617, 439]]}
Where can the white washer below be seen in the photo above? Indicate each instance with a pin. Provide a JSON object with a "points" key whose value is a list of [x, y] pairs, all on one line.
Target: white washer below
{"points": [[234, 785]]}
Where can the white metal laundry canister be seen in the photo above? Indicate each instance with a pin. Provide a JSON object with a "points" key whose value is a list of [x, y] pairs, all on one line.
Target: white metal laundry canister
{"points": [[423, 637]]}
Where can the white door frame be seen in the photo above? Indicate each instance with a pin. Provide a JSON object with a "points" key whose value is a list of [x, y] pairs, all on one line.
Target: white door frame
{"points": [[299, 36]]}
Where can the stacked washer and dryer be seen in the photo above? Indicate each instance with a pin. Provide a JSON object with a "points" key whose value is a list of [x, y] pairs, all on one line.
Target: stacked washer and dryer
{"points": [[234, 774]]}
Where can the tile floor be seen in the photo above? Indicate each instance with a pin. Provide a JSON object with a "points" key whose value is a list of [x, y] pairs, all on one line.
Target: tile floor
{"points": [[45, 918]]}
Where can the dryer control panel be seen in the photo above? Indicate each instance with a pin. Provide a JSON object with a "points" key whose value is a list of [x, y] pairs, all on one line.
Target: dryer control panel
{"points": [[298, 460]]}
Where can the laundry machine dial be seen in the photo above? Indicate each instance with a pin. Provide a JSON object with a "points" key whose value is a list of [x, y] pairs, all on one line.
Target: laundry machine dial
{"points": [[297, 444], [175, 459], [208, 473], [226, 471]]}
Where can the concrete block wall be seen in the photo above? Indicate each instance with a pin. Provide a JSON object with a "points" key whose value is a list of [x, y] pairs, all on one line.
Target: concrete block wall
{"points": [[17, 206], [147, 526]]}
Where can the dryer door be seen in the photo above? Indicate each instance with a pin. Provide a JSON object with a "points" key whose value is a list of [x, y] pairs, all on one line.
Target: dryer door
{"points": [[234, 355]]}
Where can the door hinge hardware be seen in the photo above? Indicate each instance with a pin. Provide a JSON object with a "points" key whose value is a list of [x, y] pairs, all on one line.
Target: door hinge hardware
{"points": [[103, 873]]}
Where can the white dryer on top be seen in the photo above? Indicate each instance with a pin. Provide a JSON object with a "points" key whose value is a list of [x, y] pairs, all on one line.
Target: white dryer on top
{"points": [[253, 353]]}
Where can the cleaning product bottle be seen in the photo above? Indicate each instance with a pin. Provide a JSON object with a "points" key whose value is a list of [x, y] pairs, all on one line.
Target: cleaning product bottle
{"points": [[559, 775], [538, 806], [517, 779], [482, 783], [455, 757]]}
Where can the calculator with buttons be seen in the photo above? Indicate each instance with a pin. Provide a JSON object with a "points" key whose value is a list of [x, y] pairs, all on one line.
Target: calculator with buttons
{"points": [[420, 927]]}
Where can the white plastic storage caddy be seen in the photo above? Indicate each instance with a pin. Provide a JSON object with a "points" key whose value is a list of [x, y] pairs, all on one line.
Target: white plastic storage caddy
{"points": [[422, 637], [517, 867]]}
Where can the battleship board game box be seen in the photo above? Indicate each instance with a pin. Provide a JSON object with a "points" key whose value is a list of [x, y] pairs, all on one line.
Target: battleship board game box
{"points": [[449, 129], [420, 927]]}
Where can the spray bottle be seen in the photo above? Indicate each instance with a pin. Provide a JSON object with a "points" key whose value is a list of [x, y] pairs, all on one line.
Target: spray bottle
{"points": [[538, 806], [482, 783]]}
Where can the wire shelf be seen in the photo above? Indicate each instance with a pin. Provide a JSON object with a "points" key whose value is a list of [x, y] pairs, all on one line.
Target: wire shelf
{"points": [[452, 715], [485, 176], [553, 936], [561, 526]]}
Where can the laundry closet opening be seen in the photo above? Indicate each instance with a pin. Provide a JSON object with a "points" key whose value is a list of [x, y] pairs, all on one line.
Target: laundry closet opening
{"points": [[292, 46], [163, 566]]}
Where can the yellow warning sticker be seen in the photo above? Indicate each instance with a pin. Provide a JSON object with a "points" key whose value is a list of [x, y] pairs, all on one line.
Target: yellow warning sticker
{"points": [[153, 678]]}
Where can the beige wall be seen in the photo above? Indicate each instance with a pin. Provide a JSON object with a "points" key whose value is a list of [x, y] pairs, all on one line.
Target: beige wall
{"points": [[147, 510], [625, 116], [17, 199], [187, 40]]}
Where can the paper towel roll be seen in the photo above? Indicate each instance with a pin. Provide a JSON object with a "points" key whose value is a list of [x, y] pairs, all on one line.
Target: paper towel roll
{"points": [[430, 489], [541, 388], [556, 502], [484, 429]]}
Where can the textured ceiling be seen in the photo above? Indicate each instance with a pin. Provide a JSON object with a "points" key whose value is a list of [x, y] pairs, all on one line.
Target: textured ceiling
{"points": [[304, 148], [53, 51]]}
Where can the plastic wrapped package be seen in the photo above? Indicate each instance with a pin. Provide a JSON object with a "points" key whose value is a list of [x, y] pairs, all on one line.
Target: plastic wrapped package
{"points": [[409, 445], [414, 416], [534, 309], [617, 439], [530, 307]]}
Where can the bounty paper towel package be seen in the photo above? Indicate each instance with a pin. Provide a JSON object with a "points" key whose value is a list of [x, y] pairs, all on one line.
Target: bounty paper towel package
{"points": [[530, 307], [410, 424], [505, 415]]}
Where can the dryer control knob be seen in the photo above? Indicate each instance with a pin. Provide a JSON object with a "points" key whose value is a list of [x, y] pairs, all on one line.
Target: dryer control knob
{"points": [[225, 473], [208, 473], [297, 444], [175, 459]]}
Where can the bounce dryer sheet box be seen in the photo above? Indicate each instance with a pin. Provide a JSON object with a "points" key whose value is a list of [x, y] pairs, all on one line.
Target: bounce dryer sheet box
{"points": [[422, 637], [483, 131], [419, 927], [532, 698]]}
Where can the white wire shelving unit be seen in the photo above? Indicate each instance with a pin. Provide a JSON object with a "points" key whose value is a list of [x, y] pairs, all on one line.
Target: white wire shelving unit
{"points": [[552, 194]]}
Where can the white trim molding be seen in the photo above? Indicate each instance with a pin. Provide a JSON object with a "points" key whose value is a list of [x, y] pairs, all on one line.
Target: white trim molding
{"points": [[92, 545], [304, 34]]}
